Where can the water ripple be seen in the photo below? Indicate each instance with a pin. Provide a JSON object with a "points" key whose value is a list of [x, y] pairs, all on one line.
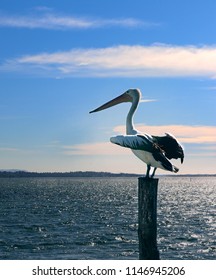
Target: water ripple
{"points": [[67, 218]]}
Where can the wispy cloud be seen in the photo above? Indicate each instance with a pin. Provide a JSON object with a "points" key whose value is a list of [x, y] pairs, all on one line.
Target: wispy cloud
{"points": [[205, 136], [54, 21], [123, 61], [210, 88], [184, 133], [99, 148], [6, 149]]}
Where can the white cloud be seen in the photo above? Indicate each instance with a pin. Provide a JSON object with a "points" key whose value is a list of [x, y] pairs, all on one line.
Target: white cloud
{"points": [[4, 149], [100, 148], [204, 135], [123, 61], [184, 133], [54, 21], [44, 22], [210, 88]]}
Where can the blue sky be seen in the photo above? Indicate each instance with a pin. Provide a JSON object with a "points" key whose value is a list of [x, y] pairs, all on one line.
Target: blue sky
{"points": [[61, 59]]}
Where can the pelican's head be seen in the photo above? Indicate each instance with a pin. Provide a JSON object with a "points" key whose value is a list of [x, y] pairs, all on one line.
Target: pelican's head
{"points": [[131, 95]]}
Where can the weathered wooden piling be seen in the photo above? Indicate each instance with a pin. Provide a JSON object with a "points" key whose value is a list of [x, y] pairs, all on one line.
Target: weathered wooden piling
{"points": [[147, 218]]}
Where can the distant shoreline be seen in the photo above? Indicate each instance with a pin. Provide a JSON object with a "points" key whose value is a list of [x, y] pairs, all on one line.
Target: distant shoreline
{"points": [[87, 174]]}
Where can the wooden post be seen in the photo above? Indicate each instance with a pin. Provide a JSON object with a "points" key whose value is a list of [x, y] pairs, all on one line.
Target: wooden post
{"points": [[147, 219]]}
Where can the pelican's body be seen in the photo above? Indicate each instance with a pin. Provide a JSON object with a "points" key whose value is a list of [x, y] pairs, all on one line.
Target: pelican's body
{"points": [[155, 151]]}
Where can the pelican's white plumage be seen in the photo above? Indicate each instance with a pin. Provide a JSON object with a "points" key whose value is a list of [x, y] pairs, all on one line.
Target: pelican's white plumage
{"points": [[155, 151]]}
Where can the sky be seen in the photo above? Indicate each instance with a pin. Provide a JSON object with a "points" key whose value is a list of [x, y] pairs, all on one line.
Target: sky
{"points": [[61, 59]]}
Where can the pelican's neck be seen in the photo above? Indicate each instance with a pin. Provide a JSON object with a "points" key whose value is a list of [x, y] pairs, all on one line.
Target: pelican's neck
{"points": [[130, 129]]}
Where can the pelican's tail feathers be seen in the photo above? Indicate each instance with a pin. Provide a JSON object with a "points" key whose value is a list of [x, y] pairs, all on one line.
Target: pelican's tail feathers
{"points": [[175, 169]]}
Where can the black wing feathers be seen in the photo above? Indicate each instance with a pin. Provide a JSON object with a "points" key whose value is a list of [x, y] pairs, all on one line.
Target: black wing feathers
{"points": [[170, 146]]}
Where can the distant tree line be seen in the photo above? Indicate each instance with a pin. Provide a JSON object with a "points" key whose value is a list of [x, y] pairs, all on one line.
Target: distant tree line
{"points": [[26, 174], [76, 174]]}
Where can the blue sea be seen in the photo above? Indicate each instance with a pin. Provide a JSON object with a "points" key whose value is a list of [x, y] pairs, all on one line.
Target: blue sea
{"points": [[96, 218]]}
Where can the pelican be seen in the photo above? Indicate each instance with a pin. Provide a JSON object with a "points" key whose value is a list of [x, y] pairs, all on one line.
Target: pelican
{"points": [[155, 151]]}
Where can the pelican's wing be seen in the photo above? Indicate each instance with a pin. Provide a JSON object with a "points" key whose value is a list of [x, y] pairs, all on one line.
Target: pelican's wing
{"points": [[145, 143], [170, 145], [135, 142]]}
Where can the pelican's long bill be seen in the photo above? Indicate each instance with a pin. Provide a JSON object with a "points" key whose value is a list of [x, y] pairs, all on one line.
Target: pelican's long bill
{"points": [[122, 98]]}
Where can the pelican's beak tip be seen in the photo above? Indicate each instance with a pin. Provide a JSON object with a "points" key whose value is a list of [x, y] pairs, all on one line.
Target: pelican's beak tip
{"points": [[93, 111]]}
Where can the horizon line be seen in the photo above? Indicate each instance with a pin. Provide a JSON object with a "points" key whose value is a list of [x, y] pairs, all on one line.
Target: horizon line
{"points": [[14, 171]]}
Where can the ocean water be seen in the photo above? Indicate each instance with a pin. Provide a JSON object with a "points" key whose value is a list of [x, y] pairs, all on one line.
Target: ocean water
{"points": [[96, 218]]}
